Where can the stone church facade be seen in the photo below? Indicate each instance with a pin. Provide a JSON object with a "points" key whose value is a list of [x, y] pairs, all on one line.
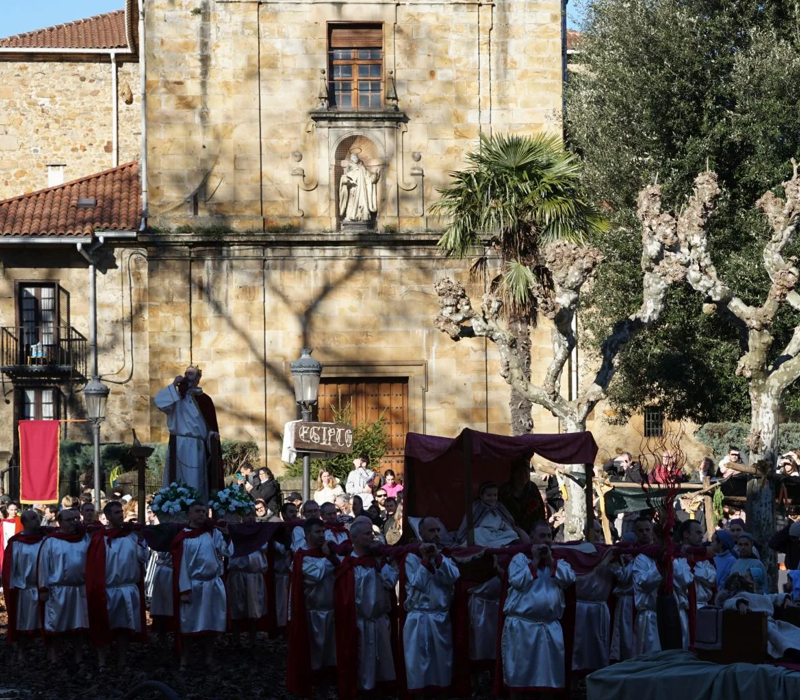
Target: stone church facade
{"points": [[225, 242]]}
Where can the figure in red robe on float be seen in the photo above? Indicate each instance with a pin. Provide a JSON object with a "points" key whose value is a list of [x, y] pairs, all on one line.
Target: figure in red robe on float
{"points": [[194, 456]]}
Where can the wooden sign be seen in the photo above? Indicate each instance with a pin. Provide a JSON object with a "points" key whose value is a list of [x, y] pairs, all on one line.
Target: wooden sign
{"points": [[323, 437]]}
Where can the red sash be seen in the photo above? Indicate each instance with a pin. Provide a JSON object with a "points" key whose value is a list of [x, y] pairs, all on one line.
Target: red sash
{"points": [[12, 594], [299, 675], [176, 548], [337, 529], [344, 594], [96, 599]]}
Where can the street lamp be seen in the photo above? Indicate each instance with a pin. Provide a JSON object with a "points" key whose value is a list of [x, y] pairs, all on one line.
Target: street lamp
{"points": [[96, 394], [306, 372]]}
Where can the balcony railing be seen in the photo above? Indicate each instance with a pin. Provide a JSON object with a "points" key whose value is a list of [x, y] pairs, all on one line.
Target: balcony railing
{"points": [[45, 350]]}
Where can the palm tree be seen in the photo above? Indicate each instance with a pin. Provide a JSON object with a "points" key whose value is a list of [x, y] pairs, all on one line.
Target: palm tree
{"points": [[517, 194]]}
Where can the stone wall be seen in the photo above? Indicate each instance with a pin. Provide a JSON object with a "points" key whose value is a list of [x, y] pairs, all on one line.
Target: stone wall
{"points": [[60, 112], [128, 404], [231, 84]]}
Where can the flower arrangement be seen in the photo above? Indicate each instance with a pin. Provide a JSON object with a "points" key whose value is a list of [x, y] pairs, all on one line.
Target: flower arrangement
{"points": [[173, 501], [232, 501]]}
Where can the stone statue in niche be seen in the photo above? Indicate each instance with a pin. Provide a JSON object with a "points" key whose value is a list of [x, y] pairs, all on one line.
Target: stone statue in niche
{"points": [[358, 192]]}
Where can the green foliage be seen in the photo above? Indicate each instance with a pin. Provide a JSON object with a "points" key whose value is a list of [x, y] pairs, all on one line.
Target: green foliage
{"points": [[665, 89], [719, 437], [78, 457], [522, 192], [368, 438]]}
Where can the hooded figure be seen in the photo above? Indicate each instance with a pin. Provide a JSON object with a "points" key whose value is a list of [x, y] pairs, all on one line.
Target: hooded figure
{"points": [[725, 559]]}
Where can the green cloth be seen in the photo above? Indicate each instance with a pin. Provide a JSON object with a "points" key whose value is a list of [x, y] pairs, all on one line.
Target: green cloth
{"points": [[668, 675], [631, 500]]}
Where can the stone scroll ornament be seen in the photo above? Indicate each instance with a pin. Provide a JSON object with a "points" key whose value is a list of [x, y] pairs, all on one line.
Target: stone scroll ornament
{"points": [[358, 191]]}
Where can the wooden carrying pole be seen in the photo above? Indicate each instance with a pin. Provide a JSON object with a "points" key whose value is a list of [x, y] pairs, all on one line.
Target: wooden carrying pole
{"points": [[589, 528], [467, 447]]}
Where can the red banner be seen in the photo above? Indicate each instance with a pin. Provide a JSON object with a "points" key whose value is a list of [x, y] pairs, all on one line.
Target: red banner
{"points": [[38, 455]]}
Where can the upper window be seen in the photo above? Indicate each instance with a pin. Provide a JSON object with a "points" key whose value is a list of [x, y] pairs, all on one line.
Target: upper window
{"points": [[653, 422], [356, 66]]}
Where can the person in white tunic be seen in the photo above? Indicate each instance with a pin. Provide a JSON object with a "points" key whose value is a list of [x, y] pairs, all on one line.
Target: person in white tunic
{"points": [[191, 421], [310, 510], [682, 578], [691, 534], [247, 590], [646, 580], [20, 585], [161, 608], [312, 632], [334, 530], [125, 556], [532, 641], [198, 559], [372, 581], [62, 585], [430, 579], [593, 618], [624, 612]]}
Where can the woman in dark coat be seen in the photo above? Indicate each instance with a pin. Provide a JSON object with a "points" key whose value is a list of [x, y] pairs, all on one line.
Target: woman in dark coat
{"points": [[269, 490]]}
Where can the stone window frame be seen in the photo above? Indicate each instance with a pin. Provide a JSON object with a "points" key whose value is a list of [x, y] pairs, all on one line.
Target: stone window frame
{"points": [[369, 30]]}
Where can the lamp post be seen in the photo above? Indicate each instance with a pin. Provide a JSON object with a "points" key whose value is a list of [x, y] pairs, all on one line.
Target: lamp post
{"points": [[96, 394], [306, 372]]}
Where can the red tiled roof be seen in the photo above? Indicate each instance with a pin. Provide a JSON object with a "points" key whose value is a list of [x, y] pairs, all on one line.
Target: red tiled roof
{"points": [[573, 37], [106, 31], [55, 211]]}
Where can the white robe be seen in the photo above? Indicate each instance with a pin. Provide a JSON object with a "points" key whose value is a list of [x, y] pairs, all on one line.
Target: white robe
{"points": [[494, 532], [375, 660], [705, 581], [593, 620], [23, 578], [622, 633], [161, 602], [318, 579], [682, 578], [186, 422], [646, 580], [62, 570], [484, 614], [780, 635], [533, 641], [246, 587], [201, 573], [125, 557], [282, 568], [428, 633]]}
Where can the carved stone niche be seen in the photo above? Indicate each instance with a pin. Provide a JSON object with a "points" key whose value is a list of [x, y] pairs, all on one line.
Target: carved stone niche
{"points": [[358, 177], [370, 138]]}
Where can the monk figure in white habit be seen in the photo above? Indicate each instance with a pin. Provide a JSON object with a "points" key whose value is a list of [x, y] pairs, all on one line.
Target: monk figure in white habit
{"points": [[358, 191], [194, 456]]}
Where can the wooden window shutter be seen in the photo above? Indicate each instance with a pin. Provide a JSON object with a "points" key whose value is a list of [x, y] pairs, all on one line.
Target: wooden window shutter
{"points": [[356, 36]]}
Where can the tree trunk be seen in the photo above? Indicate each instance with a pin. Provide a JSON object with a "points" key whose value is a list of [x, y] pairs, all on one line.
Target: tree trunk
{"points": [[521, 420], [760, 492], [575, 503]]}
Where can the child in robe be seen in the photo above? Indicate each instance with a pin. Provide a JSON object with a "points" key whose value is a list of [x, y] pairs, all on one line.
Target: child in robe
{"points": [[494, 526]]}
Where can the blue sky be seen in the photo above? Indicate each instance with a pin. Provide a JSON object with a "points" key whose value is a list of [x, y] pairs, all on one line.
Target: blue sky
{"points": [[17, 17]]}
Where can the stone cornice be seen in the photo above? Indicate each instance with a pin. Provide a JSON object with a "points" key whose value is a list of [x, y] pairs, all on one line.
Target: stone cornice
{"points": [[318, 239], [377, 118]]}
